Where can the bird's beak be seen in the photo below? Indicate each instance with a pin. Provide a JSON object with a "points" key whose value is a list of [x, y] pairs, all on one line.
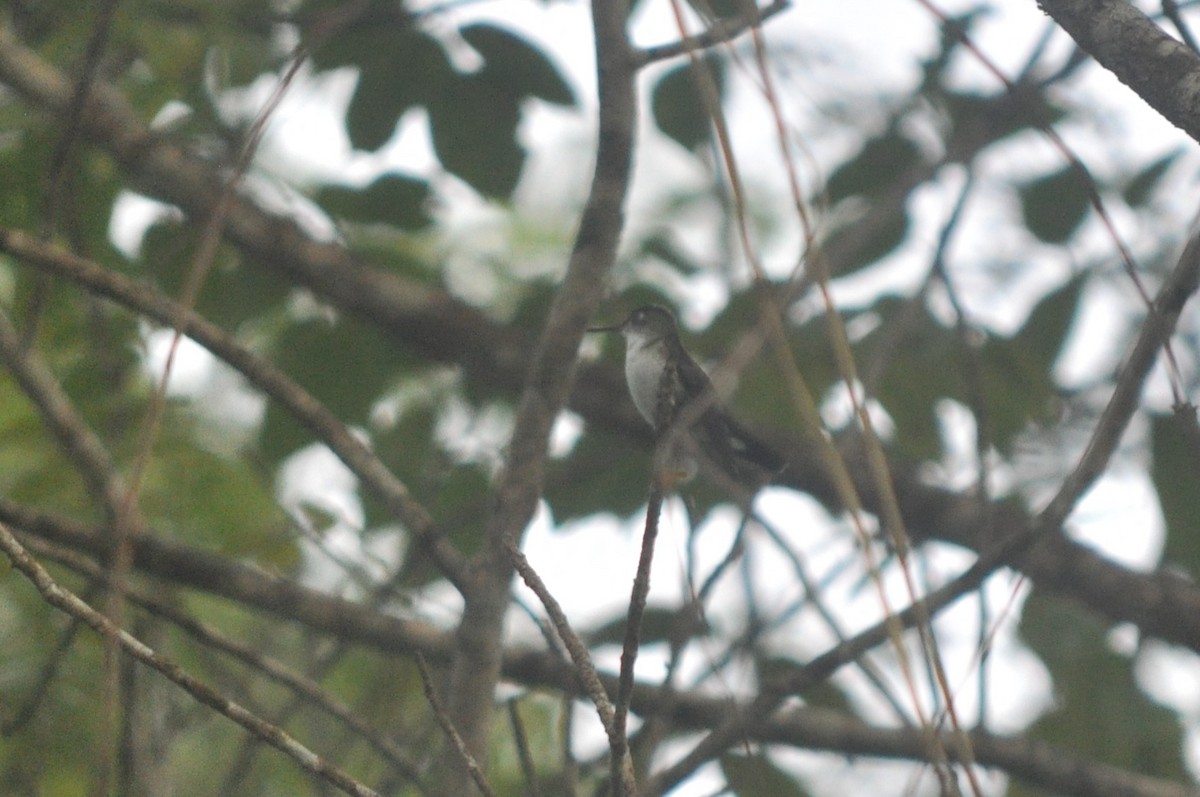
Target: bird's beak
{"points": [[611, 328]]}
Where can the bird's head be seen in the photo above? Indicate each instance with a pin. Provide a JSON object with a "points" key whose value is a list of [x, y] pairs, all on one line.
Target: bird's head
{"points": [[647, 324]]}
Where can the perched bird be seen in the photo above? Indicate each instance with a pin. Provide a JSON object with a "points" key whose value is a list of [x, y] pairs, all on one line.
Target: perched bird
{"points": [[677, 399]]}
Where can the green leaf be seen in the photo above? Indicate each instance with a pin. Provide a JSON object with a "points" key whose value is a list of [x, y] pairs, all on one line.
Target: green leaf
{"points": [[460, 498], [454, 493], [1137, 191], [215, 502], [679, 105], [1055, 205], [1018, 376], [233, 291], [881, 163], [926, 348], [618, 473], [981, 120], [1100, 711], [391, 199], [757, 776], [1176, 472], [760, 397], [345, 364], [513, 63], [875, 242], [399, 68], [474, 125], [659, 624], [721, 9], [1045, 330]]}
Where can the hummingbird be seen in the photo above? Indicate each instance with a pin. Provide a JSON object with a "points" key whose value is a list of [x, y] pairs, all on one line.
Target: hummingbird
{"points": [[676, 397]]}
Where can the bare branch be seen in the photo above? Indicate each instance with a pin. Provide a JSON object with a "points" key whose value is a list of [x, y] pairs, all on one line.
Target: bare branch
{"points": [[524, 754], [276, 384], [448, 728], [1155, 332], [1161, 70], [619, 741], [303, 687], [546, 388], [722, 31], [807, 728], [70, 604]]}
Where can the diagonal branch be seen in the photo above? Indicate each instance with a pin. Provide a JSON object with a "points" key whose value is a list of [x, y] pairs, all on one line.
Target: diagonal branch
{"points": [[1123, 40], [1162, 604], [721, 31], [1156, 331], [276, 384], [67, 602], [1034, 762]]}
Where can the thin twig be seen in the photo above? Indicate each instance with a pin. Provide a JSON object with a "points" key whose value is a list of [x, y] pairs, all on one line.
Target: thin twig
{"points": [[578, 651], [1174, 293], [261, 373], [546, 387], [524, 754], [448, 728], [304, 687], [67, 602], [633, 627], [722, 31]]}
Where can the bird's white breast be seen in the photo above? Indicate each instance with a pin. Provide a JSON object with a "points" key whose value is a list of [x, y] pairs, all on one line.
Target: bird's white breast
{"points": [[644, 363]]}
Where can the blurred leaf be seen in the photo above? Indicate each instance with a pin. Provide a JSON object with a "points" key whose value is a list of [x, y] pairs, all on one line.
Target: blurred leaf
{"points": [[1101, 712], [409, 450], [659, 624], [33, 468], [617, 477], [1016, 380], [760, 393], [474, 125], [1018, 377], [777, 670], [679, 106], [924, 365], [1137, 191], [215, 502], [453, 493], [521, 68], [399, 68], [459, 500], [233, 292], [757, 776], [1045, 330], [391, 199], [721, 9], [977, 121], [1055, 205], [881, 163], [345, 364], [1176, 474], [662, 246], [875, 241]]}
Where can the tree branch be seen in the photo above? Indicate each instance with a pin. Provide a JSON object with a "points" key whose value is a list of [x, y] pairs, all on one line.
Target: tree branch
{"points": [[1163, 604], [545, 390], [69, 603], [722, 30], [808, 729], [1123, 40], [262, 374]]}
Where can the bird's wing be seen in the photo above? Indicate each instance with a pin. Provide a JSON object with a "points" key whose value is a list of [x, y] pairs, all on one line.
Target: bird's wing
{"points": [[728, 439]]}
